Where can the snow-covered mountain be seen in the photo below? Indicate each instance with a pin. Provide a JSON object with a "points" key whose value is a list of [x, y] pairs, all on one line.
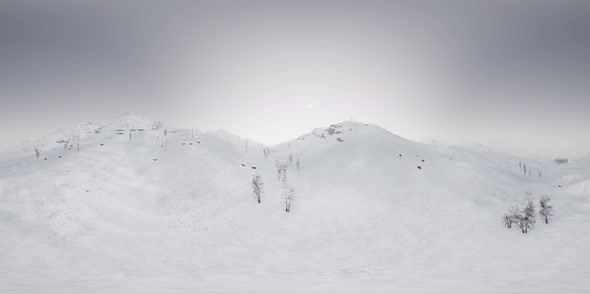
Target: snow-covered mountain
{"points": [[131, 122], [171, 210], [60, 138]]}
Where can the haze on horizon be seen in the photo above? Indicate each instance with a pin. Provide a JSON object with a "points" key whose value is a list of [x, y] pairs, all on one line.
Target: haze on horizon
{"points": [[455, 71]]}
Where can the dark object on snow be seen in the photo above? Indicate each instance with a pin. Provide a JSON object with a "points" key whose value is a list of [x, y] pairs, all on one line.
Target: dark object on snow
{"points": [[191, 143], [59, 156], [101, 144], [340, 140], [253, 167], [198, 142], [419, 167], [243, 164], [400, 155], [45, 158], [422, 160], [560, 185], [154, 159], [183, 143]]}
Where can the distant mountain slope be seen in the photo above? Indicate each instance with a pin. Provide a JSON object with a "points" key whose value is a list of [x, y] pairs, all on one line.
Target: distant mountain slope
{"points": [[130, 121], [61, 137]]}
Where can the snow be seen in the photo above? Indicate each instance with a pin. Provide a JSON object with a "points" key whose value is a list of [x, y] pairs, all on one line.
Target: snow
{"points": [[57, 139], [133, 216]]}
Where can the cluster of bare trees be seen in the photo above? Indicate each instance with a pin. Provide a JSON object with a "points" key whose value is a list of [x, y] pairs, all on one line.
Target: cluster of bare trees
{"points": [[281, 170], [528, 171], [561, 160], [282, 167], [288, 191], [522, 165], [525, 218]]}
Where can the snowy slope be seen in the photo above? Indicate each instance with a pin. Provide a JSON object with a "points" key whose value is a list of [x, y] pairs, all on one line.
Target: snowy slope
{"points": [[61, 137], [168, 212]]}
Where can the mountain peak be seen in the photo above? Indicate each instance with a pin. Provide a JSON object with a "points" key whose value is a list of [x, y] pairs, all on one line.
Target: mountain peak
{"points": [[128, 115], [129, 120]]}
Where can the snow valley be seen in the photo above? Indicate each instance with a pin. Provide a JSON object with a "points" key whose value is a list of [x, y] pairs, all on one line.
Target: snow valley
{"points": [[138, 206]]}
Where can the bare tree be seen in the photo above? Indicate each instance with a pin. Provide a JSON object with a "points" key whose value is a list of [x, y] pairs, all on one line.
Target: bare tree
{"points": [[521, 223], [257, 185], [267, 151], [298, 165], [37, 153], [527, 221], [290, 158], [281, 170], [507, 221], [546, 210], [284, 172], [289, 195], [512, 216]]}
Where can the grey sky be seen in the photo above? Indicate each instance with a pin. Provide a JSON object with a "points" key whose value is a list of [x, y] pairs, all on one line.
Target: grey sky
{"points": [[517, 71]]}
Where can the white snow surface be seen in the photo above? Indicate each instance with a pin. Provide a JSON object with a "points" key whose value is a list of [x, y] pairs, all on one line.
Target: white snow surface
{"points": [[126, 215]]}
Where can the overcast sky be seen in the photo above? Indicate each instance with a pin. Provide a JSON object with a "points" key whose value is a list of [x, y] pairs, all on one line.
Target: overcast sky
{"points": [[516, 71]]}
